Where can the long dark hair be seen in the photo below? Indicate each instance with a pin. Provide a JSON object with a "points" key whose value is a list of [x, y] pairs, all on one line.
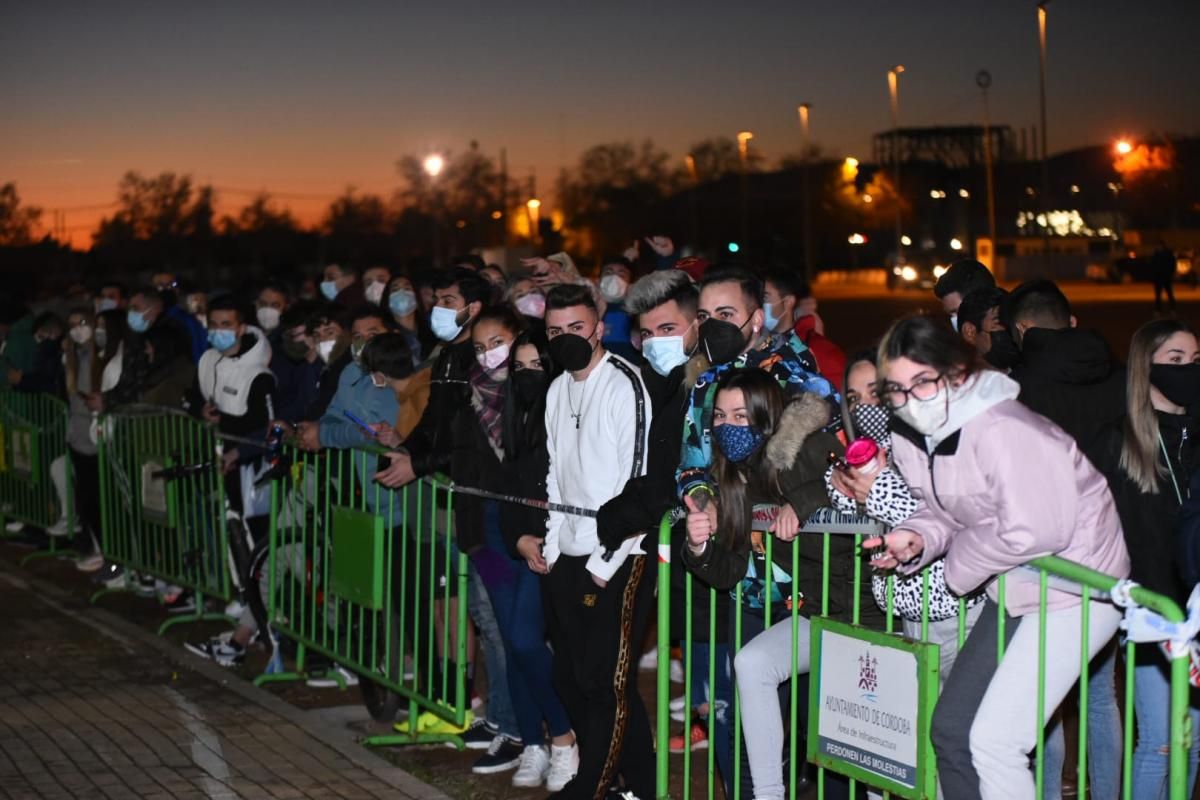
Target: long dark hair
{"points": [[525, 426], [735, 482], [1139, 445]]}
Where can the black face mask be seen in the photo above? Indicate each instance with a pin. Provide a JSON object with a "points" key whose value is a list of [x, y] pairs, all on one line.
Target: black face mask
{"points": [[1004, 353], [723, 341], [529, 386], [571, 352], [1179, 383], [296, 351]]}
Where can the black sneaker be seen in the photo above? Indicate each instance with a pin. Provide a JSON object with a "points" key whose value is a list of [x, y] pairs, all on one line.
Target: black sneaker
{"points": [[220, 650], [478, 735], [503, 754]]}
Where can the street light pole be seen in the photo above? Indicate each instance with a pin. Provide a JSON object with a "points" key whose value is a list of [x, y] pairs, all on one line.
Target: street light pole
{"points": [[983, 79], [433, 167], [894, 91], [743, 140], [1045, 204], [805, 167]]}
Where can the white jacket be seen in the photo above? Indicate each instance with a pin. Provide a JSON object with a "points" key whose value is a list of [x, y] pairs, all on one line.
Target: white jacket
{"points": [[225, 381]]}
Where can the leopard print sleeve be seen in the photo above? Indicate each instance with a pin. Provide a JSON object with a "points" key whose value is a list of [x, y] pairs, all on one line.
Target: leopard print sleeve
{"points": [[890, 501]]}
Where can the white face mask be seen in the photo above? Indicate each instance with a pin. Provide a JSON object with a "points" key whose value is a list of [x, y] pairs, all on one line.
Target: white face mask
{"points": [[494, 359], [374, 292], [325, 349], [81, 334], [926, 416], [664, 353], [444, 322], [532, 304], [613, 287], [268, 318]]}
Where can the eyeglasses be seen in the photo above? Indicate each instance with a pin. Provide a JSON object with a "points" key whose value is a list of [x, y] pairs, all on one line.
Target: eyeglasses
{"points": [[896, 396]]}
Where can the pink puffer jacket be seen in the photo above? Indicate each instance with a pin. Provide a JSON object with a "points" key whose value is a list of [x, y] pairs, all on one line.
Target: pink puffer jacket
{"points": [[1007, 487]]}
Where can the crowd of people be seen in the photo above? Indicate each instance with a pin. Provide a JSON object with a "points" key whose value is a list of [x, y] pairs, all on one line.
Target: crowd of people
{"points": [[995, 435]]}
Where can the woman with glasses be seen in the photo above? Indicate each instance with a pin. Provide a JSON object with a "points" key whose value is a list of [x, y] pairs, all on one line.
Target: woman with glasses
{"points": [[883, 494], [996, 486]]}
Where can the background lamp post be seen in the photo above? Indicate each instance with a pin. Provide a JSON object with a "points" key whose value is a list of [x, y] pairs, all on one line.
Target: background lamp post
{"points": [[893, 77]]}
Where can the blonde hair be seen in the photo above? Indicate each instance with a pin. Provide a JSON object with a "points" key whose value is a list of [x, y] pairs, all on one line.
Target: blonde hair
{"points": [[1140, 442]]}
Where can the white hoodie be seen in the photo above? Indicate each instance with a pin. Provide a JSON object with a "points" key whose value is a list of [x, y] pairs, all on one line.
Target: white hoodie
{"points": [[225, 380]]}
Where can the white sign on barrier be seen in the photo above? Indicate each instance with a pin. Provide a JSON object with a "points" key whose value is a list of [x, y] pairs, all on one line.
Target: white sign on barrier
{"points": [[868, 707]]}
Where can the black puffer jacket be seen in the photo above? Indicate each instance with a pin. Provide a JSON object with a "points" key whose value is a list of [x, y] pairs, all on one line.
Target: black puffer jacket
{"points": [[1149, 520], [1069, 376], [429, 444], [798, 451]]}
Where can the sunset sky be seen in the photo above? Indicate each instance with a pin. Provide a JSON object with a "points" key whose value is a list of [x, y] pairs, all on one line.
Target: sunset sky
{"points": [[303, 99]]}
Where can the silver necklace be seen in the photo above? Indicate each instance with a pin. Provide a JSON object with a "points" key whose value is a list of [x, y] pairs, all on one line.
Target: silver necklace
{"points": [[582, 397]]}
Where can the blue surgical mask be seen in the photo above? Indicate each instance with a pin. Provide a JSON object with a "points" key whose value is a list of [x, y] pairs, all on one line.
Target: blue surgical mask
{"points": [[738, 442], [444, 322], [105, 304], [222, 339], [402, 302], [771, 319], [329, 289], [137, 321], [664, 353]]}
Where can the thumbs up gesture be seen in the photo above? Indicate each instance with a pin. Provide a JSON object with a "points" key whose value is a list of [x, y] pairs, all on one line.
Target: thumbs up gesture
{"points": [[701, 523]]}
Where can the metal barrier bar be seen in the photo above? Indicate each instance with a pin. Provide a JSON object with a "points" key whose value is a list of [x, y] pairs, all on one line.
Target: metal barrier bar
{"points": [[33, 436], [162, 503], [1091, 585], [369, 578]]}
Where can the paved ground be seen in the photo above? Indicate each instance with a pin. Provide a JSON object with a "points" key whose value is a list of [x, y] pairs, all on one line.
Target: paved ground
{"points": [[93, 707]]}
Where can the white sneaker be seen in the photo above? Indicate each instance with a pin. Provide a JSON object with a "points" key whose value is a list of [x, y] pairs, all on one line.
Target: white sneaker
{"points": [[564, 763], [534, 764], [329, 682], [649, 660], [92, 562], [58, 528], [16, 526], [676, 671], [234, 609]]}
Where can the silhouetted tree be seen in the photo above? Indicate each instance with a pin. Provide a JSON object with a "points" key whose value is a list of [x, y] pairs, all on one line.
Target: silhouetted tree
{"points": [[613, 195], [18, 223]]}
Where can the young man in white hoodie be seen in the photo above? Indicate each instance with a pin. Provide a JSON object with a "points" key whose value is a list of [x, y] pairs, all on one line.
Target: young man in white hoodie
{"points": [[599, 601]]}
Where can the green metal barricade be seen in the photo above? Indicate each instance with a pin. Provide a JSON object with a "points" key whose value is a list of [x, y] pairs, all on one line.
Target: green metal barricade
{"points": [[33, 437], [370, 578], [874, 771], [162, 502]]}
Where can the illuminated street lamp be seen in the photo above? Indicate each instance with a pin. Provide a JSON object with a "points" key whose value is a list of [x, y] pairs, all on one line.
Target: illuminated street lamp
{"points": [[1045, 198], [743, 141], [433, 165], [533, 206], [893, 78], [803, 110], [1123, 147]]}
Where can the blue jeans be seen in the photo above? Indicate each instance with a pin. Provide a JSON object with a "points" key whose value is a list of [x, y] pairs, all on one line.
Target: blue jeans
{"points": [[499, 706], [1152, 704], [1104, 735], [518, 606]]}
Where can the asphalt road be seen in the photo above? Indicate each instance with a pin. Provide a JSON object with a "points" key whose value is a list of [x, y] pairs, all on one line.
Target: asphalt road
{"points": [[857, 316]]}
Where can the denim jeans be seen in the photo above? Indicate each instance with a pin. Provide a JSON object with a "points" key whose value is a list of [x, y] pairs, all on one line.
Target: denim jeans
{"points": [[1152, 704], [499, 703], [517, 602], [1104, 735]]}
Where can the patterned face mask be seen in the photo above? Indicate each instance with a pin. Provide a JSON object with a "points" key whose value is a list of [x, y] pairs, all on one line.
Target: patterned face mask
{"points": [[873, 422], [738, 442]]}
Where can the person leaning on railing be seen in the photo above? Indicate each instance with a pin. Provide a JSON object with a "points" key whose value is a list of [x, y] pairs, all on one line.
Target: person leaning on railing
{"points": [[886, 497], [769, 454], [1150, 458], [998, 486]]}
